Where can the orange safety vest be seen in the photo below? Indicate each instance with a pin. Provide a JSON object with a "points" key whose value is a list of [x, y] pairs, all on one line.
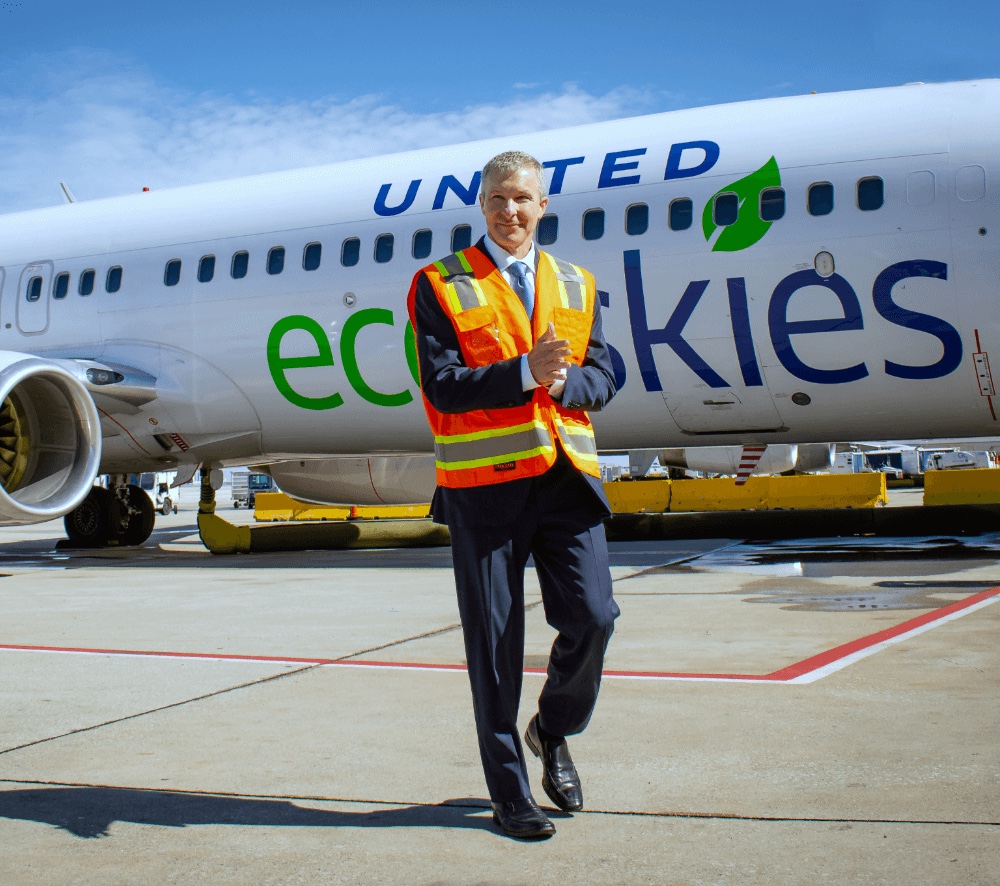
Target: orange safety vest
{"points": [[487, 446]]}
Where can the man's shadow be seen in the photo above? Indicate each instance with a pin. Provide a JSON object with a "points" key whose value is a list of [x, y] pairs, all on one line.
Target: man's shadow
{"points": [[90, 812]]}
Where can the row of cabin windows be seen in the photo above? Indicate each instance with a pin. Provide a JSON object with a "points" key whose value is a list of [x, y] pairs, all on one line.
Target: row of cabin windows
{"points": [[870, 194], [85, 286]]}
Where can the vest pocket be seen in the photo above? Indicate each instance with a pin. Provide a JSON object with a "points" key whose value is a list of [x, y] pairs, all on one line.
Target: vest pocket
{"points": [[574, 326], [479, 335]]}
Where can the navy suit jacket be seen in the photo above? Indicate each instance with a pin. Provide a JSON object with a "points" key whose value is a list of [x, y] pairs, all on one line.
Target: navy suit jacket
{"points": [[451, 386]]}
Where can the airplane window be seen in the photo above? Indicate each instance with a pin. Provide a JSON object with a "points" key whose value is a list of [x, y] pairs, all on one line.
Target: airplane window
{"points": [[350, 252], [593, 224], [34, 290], [383, 248], [276, 260], [461, 238], [548, 230], [241, 262], [871, 193], [772, 204], [311, 256], [820, 198], [114, 281], [60, 286], [422, 241], [637, 219], [680, 214], [87, 282], [725, 209], [206, 268], [172, 272]]}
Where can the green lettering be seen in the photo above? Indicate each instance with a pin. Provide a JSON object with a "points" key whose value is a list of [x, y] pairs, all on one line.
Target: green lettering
{"points": [[410, 345], [348, 354], [278, 364]]}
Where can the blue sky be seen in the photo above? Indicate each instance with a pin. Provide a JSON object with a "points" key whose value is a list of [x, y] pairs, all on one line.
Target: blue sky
{"points": [[113, 96]]}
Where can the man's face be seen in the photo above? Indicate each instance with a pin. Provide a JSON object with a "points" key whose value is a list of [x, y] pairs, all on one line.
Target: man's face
{"points": [[512, 208]]}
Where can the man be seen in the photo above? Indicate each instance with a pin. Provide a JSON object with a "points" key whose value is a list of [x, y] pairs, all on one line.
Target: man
{"points": [[511, 356]]}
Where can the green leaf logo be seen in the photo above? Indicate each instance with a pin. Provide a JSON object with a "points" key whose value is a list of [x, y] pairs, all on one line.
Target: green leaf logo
{"points": [[748, 227]]}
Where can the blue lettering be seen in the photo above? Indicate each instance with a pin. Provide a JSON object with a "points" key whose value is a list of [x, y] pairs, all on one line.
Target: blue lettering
{"points": [[739, 315], [674, 169], [945, 332], [383, 193], [612, 166], [644, 338], [782, 329], [558, 168], [466, 194], [617, 361]]}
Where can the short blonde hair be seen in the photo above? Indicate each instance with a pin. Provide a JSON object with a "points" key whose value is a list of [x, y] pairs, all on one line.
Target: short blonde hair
{"points": [[507, 163]]}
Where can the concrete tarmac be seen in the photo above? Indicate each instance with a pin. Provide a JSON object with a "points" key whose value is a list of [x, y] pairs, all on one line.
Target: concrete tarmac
{"points": [[781, 712]]}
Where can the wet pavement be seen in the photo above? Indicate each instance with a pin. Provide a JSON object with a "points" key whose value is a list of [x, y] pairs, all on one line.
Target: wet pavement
{"points": [[774, 712]]}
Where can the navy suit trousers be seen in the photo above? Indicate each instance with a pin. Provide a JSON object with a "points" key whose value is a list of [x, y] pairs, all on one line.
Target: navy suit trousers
{"points": [[561, 527]]}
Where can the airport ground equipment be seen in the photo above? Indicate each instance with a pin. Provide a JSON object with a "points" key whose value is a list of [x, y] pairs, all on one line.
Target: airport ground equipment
{"points": [[962, 487], [222, 537], [276, 507], [246, 485], [757, 494], [157, 487]]}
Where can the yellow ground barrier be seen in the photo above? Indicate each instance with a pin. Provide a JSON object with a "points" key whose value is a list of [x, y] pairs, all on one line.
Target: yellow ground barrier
{"points": [[773, 493], [979, 486], [635, 496], [276, 507]]}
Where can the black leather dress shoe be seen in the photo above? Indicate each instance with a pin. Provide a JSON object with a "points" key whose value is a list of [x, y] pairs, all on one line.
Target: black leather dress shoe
{"points": [[559, 777], [523, 819]]}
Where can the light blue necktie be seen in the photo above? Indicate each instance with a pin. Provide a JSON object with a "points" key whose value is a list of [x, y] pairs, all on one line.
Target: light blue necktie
{"points": [[522, 285]]}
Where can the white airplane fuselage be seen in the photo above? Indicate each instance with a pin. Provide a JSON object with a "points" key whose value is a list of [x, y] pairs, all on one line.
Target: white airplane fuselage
{"points": [[724, 334]]}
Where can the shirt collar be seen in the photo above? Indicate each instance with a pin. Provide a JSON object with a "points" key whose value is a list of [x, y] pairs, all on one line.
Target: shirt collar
{"points": [[503, 259]]}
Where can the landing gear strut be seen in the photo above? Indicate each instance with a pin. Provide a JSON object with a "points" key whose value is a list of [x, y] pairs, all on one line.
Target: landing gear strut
{"points": [[122, 514]]}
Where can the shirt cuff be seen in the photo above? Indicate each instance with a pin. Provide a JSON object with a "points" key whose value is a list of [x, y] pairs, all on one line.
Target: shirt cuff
{"points": [[556, 389], [528, 382]]}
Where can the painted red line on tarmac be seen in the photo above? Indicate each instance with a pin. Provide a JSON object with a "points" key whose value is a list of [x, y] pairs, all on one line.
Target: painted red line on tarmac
{"points": [[783, 675], [839, 652], [150, 653]]}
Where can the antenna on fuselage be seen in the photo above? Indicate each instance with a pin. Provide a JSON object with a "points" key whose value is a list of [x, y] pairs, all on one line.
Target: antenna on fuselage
{"points": [[67, 193]]}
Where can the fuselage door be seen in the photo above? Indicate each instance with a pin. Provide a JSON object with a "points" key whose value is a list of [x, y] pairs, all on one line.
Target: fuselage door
{"points": [[700, 409], [33, 298]]}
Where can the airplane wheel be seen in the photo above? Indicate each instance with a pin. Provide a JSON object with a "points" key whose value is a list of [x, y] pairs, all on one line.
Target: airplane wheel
{"points": [[89, 523], [140, 525]]}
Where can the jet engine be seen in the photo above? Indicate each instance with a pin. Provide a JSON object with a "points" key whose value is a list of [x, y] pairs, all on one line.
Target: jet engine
{"points": [[777, 458], [50, 440], [374, 480]]}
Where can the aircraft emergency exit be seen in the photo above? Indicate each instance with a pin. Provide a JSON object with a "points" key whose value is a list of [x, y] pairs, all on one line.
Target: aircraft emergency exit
{"points": [[786, 271]]}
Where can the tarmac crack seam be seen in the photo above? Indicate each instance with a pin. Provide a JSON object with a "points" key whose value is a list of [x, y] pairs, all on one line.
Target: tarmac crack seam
{"points": [[238, 687], [434, 633], [166, 707], [476, 803], [680, 561]]}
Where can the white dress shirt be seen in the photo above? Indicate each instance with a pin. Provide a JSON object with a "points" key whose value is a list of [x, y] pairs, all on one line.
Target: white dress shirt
{"points": [[503, 260]]}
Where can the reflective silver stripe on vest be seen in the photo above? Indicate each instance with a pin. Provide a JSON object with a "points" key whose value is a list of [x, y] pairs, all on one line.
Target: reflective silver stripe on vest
{"points": [[457, 275], [576, 285], [579, 441], [468, 297], [493, 447], [451, 266]]}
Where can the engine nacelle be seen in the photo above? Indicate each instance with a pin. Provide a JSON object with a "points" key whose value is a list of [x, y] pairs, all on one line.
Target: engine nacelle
{"points": [[50, 440], [777, 459], [376, 480]]}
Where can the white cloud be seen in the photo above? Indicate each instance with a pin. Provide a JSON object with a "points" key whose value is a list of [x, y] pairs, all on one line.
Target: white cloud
{"points": [[105, 129]]}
